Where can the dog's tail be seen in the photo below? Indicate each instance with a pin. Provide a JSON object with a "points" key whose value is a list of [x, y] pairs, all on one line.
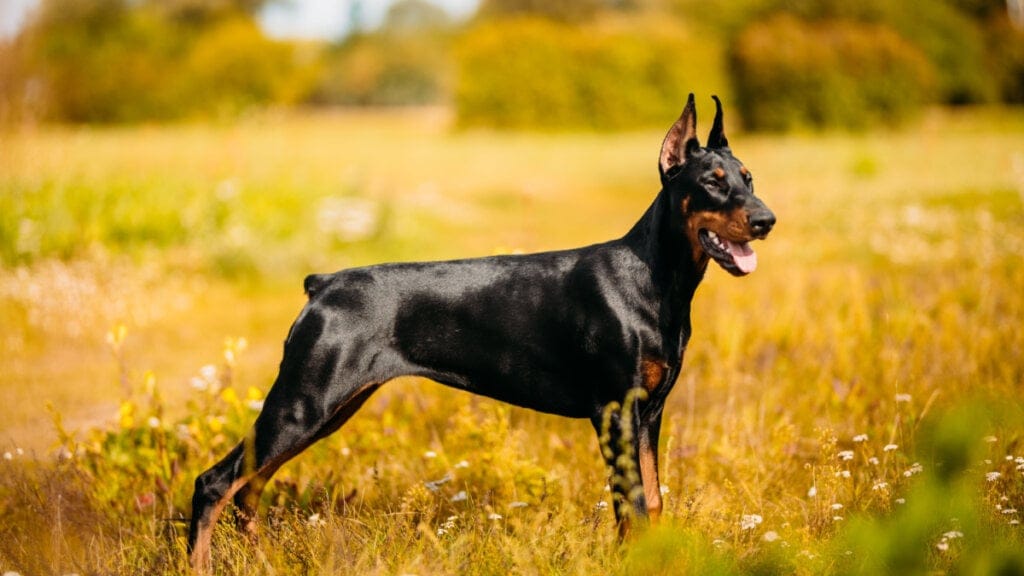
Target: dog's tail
{"points": [[314, 283]]}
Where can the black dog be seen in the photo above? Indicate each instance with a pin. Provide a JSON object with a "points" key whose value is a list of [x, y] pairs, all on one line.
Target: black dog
{"points": [[566, 333]]}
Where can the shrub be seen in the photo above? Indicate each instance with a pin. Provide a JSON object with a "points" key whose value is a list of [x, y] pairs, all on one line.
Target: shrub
{"points": [[529, 73], [790, 73]]}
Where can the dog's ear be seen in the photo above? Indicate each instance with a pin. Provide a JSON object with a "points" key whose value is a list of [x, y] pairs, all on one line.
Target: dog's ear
{"points": [[717, 137], [681, 141]]}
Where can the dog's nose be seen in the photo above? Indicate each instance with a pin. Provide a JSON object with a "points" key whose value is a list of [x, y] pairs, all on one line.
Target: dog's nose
{"points": [[761, 222]]}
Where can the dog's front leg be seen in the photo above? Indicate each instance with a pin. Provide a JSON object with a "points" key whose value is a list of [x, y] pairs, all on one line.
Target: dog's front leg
{"points": [[648, 458]]}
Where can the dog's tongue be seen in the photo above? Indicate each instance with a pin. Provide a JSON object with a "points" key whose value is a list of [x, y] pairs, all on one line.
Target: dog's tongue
{"points": [[743, 255]]}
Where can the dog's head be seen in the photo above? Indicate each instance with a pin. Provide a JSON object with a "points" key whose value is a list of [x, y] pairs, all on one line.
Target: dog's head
{"points": [[712, 194]]}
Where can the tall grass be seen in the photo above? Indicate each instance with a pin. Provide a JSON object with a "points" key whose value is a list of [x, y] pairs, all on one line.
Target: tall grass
{"points": [[852, 407]]}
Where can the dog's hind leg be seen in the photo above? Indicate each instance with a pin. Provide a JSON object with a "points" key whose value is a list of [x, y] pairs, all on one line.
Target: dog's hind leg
{"points": [[310, 400]]}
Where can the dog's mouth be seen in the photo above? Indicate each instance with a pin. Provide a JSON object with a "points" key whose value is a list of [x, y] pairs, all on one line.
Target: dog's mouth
{"points": [[737, 258]]}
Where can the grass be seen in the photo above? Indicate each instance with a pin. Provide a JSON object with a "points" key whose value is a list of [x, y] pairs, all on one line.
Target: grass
{"points": [[854, 406]]}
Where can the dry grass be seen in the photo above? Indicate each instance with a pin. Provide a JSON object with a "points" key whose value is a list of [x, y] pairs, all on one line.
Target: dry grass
{"points": [[887, 306]]}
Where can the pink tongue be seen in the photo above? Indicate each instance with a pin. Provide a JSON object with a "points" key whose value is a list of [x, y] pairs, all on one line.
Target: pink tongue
{"points": [[742, 255]]}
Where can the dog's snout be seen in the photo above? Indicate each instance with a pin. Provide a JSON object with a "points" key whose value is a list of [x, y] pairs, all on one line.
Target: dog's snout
{"points": [[761, 222]]}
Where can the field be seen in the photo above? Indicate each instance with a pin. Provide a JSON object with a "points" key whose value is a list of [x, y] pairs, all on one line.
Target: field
{"points": [[854, 406]]}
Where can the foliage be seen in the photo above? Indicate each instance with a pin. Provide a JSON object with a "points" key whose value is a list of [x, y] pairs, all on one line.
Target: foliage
{"points": [[792, 74], [528, 73]]}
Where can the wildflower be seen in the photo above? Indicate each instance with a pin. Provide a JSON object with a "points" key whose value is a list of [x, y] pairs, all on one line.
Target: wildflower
{"points": [[837, 506], [717, 542], [750, 521], [518, 504], [494, 516], [462, 464], [873, 461], [942, 546], [1013, 522], [915, 468], [315, 520], [860, 438], [1009, 511], [880, 486], [209, 372], [19, 452], [460, 496], [991, 439], [255, 405], [435, 485], [903, 398], [346, 451], [843, 474], [430, 454], [837, 518], [183, 432], [8, 456], [770, 536], [812, 492], [602, 505], [663, 489], [889, 447], [153, 422], [952, 535], [199, 384], [845, 455], [1019, 459], [992, 476], [901, 500]]}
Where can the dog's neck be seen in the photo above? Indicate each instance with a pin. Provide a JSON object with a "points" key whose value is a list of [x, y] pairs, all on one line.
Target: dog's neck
{"points": [[659, 239]]}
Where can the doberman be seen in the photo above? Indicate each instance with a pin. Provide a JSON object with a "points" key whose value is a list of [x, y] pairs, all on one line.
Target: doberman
{"points": [[568, 332]]}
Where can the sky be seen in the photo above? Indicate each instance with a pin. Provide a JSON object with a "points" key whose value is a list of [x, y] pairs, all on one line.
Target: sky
{"points": [[308, 19]]}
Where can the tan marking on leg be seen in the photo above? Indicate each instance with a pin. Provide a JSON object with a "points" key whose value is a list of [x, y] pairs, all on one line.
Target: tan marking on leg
{"points": [[649, 478], [652, 371]]}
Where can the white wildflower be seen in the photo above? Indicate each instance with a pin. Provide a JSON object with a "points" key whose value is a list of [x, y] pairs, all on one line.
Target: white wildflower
{"points": [[346, 451], [430, 454], [602, 505], [901, 500], [315, 520], [845, 455], [750, 521], [1009, 511], [992, 476], [462, 464], [770, 536], [915, 468], [812, 492], [518, 504], [880, 486], [200, 384], [153, 422], [900, 398], [952, 535], [837, 506], [889, 447], [663, 489], [494, 516], [860, 438], [873, 461], [8, 456], [460, 496], [942, 546], [255, 405], [843, 474], [1013, 522], [837, 518], [991, 439]]}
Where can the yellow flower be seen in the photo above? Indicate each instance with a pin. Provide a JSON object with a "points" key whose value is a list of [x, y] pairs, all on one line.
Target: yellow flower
{"points": [[216, 424], [230, 396], [126, 415], [253, 393]]}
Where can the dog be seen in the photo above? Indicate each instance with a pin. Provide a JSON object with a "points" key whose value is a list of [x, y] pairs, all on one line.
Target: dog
{"points": [[569, 332]]}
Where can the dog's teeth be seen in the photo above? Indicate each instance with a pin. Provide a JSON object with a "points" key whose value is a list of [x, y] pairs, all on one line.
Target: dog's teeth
{"points": [[713, 235]]}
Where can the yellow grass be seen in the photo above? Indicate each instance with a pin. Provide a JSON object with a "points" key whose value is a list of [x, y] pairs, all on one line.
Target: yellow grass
{"points": [[888, 296]]}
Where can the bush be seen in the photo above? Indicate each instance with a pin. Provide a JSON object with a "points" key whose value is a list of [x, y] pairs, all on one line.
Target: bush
{"points": [[529, 73], [792, 74]]}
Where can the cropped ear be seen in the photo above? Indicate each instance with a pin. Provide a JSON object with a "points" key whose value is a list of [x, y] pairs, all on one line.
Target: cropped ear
{"points": [[717, 137], [681, 141]]}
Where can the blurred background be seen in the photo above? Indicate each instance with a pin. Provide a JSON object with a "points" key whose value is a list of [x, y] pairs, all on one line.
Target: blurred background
{"points": [[604, 64], [170, 170]]}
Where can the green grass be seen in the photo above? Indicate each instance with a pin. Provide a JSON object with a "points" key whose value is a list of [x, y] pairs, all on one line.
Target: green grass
{"points": [[887, 304]]}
